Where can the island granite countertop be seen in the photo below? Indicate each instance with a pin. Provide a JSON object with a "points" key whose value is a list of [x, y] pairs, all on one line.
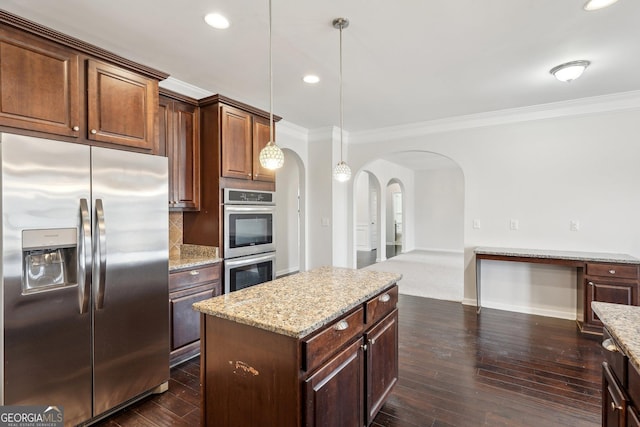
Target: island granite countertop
{"points": [[299, 304], [623, 322]]}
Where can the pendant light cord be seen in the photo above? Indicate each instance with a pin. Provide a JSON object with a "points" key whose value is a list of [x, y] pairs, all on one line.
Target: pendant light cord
{"points": [[341, 104], [271, 141]]}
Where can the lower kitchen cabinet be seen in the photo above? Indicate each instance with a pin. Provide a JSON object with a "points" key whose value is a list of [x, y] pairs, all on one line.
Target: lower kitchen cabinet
{"points": [[185, 288], [338, 375]]}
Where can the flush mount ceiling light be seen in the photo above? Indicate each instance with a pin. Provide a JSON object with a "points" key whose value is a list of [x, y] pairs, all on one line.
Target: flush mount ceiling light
{"points": [[311, 79], [597, 4], [342, 171], [217, 21], [570, 70], [271, 156]]}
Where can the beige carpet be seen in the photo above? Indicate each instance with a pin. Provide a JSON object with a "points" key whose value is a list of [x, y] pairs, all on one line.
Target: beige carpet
{"points": [[429, 274]]}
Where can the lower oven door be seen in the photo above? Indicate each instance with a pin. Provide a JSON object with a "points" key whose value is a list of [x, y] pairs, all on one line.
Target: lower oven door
{"points": [[249, 270]]}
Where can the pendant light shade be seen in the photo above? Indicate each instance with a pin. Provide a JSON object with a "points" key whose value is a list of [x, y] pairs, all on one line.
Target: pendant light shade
{"points": [[271, 156], [342, 171]]}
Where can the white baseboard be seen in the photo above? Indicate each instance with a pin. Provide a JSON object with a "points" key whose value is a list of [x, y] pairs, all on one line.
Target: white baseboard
{"points": [[364, 248], [468, 301], [450, 251], [287, 271], [560, 314]]}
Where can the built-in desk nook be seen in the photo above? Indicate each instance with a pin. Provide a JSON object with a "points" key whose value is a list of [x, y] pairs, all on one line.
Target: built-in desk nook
{"points": [[318, 348], [605, 277]]}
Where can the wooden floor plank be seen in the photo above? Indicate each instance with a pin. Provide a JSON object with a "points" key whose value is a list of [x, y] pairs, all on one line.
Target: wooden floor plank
{"points": [[456, 369]]}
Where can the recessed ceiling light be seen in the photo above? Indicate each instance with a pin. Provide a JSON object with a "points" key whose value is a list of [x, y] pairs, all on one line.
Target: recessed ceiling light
{"points": [[311, 79], [217, 21], [570, 70], [597, 4]]}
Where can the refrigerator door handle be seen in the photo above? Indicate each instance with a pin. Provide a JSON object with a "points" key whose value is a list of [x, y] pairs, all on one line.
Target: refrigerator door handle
{"points": [[84, 257], [99, 254]]}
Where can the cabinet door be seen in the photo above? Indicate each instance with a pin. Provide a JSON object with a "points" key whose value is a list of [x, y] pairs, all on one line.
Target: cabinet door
{"points": [[382, 363], [185, 321], [122, 106], [261, 136], [185, 157], [236, 143], [632, 418], [39, 85], [614, 402], [618, 292], [334, 394]]}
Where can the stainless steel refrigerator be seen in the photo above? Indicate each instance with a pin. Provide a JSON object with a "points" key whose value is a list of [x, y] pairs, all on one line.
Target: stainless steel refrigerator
{"points": [[84, 276]]}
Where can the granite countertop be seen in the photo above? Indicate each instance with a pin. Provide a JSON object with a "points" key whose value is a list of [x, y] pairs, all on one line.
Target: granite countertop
{"points": [[299, 304], [193, 256], [623, 321], [554, 254]]}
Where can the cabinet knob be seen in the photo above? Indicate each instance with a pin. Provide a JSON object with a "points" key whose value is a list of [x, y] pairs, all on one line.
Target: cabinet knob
{"points": [[76, 128], [590, 283], [194, 272], [615, 407], [609, 345], [249, 175], [384, 298], [612, 271], [93, 131], [341, 326]]}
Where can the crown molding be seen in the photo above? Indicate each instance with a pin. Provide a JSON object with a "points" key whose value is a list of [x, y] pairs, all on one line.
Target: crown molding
{"points": [[184, 88], [577, 107], [293, 131]]}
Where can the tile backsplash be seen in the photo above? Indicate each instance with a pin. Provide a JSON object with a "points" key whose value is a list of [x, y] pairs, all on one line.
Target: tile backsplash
{"points": [[175, 233]]}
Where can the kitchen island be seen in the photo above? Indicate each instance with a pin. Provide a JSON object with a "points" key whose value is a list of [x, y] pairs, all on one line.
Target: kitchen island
{"points": [[316, 348], [621, 368]]}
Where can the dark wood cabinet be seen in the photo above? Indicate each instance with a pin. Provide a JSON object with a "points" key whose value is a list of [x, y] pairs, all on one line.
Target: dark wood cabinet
{"points": [[231, 136], [58, 87], [613, 283], [178, 122], [185, 288], [614, 402], [333, 395], [39, 84], [338, 375], [121, 106]]}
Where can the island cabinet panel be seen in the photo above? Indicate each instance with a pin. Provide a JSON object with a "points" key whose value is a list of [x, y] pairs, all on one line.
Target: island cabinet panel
{"points": [[382, 363], [333, 395], [337, 375], [39, 84], [614, 401]]}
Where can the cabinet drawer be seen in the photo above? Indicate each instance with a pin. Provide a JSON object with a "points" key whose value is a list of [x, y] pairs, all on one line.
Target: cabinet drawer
{"points": [[324, 344], [193, 277], [633, 385], [613, 270], [614, 356], [381, 305]]}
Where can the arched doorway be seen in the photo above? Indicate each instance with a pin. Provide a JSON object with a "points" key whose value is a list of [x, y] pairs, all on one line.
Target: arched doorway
{"points": [[395, 219], [367, 240]]}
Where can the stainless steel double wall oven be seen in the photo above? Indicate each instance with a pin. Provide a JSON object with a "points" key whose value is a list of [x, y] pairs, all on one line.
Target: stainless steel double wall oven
{"points": [[249, 238]]}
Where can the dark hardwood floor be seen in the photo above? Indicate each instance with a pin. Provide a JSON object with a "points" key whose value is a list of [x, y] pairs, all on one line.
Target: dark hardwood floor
{"points": [[456, 369]]}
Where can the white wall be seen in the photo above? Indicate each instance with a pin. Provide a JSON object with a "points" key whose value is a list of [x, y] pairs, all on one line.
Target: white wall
{"points": [[544, 172], [362, 193], [390, 223], [439, 204], [287, 221]]}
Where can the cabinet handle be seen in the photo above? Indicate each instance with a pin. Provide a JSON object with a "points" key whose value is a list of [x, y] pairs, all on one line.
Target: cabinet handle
{"points": [[615, 407], [249, 175], [93, 131], [590, 283], [363, 347], [612, 271], [384, 298], [373, 341], [76, 128], [610, 346], [194, 272], [341, 326]]}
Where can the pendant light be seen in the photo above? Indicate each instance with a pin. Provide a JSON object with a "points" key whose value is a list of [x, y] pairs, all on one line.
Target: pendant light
{"points": [[342, 171], [271, 156]]}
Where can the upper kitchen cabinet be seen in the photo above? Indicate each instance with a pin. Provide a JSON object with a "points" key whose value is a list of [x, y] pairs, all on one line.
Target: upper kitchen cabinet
{"points": [[121, 106], [39, 84], [179, 126], [242, 132], [58, 87]]}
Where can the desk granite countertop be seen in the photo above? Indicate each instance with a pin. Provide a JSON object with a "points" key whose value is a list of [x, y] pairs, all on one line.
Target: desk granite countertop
{"points": [[299, 304], [623, 321], [193, 256], [555, 254]]}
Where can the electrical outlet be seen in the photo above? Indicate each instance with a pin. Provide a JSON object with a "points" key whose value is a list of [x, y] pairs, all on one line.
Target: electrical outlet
{"points": [[514, 224], [574, 225], [476, 224]]}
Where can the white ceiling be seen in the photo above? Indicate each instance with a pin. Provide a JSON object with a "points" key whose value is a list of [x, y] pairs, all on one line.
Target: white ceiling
{"points": [[404, 61]]}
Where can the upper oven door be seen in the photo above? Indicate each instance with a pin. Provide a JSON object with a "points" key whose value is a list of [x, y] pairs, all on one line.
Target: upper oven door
{"points": [[248, 230]]}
